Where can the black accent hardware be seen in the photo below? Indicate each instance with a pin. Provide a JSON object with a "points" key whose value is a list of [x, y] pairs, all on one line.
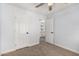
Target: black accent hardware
{"points": [[27, 32], [51, 32]]}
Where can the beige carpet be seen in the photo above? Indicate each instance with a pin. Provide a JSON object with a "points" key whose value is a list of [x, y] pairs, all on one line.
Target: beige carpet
{"points": [[43, 49]]}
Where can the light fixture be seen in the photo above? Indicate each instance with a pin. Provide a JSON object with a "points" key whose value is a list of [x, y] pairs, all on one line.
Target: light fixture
{"points": [[50, 4]]}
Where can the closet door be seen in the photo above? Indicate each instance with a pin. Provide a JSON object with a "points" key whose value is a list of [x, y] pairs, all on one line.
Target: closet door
{"points": [[21, 32], [27, 30], [49, 31], [34, 31]]}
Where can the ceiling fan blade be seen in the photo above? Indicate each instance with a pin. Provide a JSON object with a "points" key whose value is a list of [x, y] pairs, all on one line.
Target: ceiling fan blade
{"points": [[39, 5]]}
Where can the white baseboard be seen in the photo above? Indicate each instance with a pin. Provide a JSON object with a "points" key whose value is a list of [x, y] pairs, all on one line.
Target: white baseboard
{"points": [[27, 46], [11, 50], [34, 44], [7, 51], [4, 52], [67, 48]]}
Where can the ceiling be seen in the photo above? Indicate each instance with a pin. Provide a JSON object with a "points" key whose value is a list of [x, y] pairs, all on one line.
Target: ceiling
{"points": [[42, 9]]}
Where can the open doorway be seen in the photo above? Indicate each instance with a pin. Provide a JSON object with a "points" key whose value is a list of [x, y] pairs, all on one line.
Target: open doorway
{"points": [[42, 32]]}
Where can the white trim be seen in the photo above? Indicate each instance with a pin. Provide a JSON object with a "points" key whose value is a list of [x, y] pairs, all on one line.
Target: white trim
{"points": [[27, 46], [7, 51], [38, 43], [11, 50], [67, 48]]}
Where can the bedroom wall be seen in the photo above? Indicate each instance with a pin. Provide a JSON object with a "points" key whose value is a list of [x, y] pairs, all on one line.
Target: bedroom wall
{"points": [[67, 27], [8, 26], [0, 29], [31, 20]]}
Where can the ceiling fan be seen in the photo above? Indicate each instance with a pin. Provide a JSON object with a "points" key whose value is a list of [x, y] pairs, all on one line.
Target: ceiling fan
{"points": [[49, 5]]}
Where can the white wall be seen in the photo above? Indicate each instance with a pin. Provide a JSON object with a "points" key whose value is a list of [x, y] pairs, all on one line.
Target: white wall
{"points": [[67, 27], [31, 20], [7, 27], [0, 28], [8, 20]]}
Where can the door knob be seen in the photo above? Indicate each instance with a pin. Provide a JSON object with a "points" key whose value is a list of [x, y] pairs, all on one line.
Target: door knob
{"points": [[27, 32], [51, 32]]}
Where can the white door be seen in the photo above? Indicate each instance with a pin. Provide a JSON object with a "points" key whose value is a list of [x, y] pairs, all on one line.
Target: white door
{"points": [[34, 31], [27, 31], [49, 31], [21, 29]]}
